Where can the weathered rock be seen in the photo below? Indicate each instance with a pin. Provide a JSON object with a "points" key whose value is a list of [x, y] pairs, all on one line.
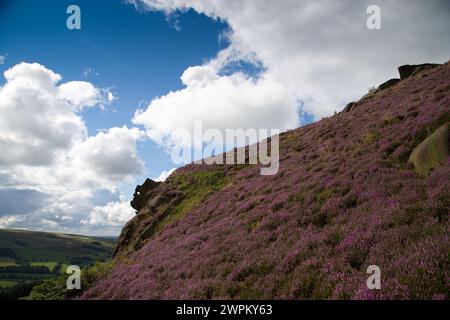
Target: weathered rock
{"points": [[154, 202], [408, 70], [388, 84], [349, 107], [159, 203], [125, 236], [140, 196], [162, 199], [432, 151]]}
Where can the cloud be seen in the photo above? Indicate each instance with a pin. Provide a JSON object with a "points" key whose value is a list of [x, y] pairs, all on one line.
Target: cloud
{"points": [[48, 224], [88, 71], [110, 97], [38, 118], [164, 175], [20, 201], [81, 94], [9, 221], [111, 154], [2, 59], [112, 214], [51, 169], [221, 102], [33, 75], [315, 55]]}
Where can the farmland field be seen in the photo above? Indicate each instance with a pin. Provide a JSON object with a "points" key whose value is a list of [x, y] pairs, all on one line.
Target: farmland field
{"points": [[7, 261], [27, 256], [6, 284], [49, 264]]}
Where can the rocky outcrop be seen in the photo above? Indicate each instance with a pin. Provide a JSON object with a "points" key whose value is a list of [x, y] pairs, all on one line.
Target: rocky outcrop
{"points": [[141, 194], [405, 71], [155, 201], [349, 107], [432, 152], [388, 84], [408, 70]]}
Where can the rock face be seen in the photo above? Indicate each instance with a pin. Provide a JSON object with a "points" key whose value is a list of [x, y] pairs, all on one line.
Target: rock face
{"points": [[154, 204], [388, 84], [344, 198], [349, 107], [407, 70], [432, 152], [140, 196], [131, 231]]}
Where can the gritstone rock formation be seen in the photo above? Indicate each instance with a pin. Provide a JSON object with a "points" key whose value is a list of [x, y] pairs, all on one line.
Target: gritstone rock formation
{"points": [[140, 196], [407, 70], [433, 151]]}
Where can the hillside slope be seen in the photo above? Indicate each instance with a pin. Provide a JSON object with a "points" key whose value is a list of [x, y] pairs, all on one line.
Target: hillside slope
{"points": [[21, 246], [345, 197], [29, 257]]}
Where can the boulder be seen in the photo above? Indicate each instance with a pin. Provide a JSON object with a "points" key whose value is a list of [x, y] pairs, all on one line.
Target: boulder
{"points": [[432, 151], [408, 70], [388, 84], [140, 196], [349, 107]]}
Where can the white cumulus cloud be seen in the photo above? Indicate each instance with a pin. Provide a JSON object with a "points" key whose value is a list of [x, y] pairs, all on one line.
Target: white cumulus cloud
{"points": [[164, 175], [112, 214], [35, 122], [46, 151], [111, 154], [221, 102], [81, 94]]}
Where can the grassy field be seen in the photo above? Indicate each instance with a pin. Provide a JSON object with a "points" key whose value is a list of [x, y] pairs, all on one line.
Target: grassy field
{"points": [[20, 249], [7, 261], [48, 247], [49, 264], [7, 284]]}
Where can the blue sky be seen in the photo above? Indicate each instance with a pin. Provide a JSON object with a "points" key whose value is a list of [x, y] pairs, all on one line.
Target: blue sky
{"points": [[250, 64]]}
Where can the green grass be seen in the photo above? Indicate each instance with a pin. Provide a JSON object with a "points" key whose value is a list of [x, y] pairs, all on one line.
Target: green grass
{"points": [[7, 261], [43, 248], [197, 187], [49, 264], [20, 247], [55, 288], [7, 283], [23, 276], [55, 251]]}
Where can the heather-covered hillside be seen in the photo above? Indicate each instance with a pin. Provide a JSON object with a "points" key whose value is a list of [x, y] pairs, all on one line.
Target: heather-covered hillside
{"points": [[345, 197]]}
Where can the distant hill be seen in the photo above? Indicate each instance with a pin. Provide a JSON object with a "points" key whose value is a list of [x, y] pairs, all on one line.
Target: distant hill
{"points": [[367, 186], [31, 255]]}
